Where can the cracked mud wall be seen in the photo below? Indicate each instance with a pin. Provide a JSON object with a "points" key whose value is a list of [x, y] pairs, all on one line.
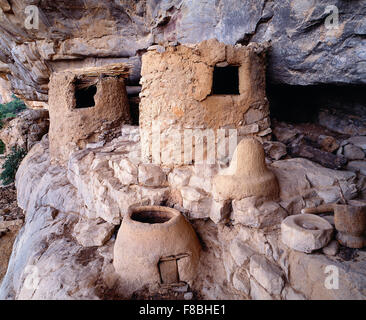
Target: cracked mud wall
{"points": [[177, 92], [71, 127]]}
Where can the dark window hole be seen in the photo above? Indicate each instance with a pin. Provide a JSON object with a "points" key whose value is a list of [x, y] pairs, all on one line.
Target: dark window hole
{"points": [[226, 80], [85, 97]]}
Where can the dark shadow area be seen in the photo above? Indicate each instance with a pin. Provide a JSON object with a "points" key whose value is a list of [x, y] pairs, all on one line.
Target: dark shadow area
{"points": [[151, 217], [226, 80], [2, 147], [299, 104], [133, 93], [85, 97], [134, 109]]}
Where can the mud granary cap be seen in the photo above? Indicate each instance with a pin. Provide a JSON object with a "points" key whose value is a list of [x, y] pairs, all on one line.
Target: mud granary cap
{"points": [[247, 174]]}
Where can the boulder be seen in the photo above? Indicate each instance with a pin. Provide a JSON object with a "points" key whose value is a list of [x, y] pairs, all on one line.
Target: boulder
{"points": [[358, 141], [151, 175], [299, 176], [357, 166], [220, 210], [342, 122], [257, 213], [240, 252], [125, 171], [274, 149], [241, 282], [316, 275], [197, 202], [331, 249], [179, 177], [328, 143], [352, 152], [25, 130], [93, 233], [267, 274], [248, 129], [257, 292], [291, 294], [188, 296]]}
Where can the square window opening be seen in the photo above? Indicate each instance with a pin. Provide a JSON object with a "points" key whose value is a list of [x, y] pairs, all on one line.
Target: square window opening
{"points": [[226, 80], [84, 95]]}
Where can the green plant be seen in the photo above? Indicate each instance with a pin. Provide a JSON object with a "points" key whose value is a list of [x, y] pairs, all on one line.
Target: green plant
{"points": [[2, 147], [11, 165], [11, 109]]}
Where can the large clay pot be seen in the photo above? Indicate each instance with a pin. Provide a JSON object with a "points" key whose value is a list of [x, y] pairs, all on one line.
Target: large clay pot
{"points": [[155, 245]]}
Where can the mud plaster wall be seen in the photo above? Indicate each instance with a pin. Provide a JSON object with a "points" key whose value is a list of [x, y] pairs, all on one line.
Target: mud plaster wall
{"points": [[177, 85], [71, 127]]}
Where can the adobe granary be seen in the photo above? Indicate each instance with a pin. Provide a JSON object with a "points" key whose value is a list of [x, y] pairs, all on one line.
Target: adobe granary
{"points": [[84, 105], [209, 85]]}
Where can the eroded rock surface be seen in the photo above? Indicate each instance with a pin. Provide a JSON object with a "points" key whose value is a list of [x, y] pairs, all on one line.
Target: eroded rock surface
{"points": [[25, 130], [11, 220], [85, 33], [53, 257]]}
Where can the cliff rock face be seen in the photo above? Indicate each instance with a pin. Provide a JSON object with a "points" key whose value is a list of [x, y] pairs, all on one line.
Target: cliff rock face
{"points": [[25, 130], [85, 33], [5, 93], [64, 250]]}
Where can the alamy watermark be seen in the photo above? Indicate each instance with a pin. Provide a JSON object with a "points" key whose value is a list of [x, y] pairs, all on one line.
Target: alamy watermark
{"points": [[32, 17], [332, 20], [331, 281], [180, 146], [31, 21]]}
